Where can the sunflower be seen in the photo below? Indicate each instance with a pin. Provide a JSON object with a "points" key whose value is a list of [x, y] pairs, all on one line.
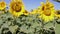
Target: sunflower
{"points": [[2, 5], [47, 12], [47, 16], [16, 8], [57, 13], [26, 12], [34, 11]]}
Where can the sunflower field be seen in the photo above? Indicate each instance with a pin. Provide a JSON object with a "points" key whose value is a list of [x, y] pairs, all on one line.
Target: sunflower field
{"points": [[17, 20]]}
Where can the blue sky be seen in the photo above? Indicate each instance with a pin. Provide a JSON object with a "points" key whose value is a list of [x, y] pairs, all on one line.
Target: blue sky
{"points": [[33, 4]]}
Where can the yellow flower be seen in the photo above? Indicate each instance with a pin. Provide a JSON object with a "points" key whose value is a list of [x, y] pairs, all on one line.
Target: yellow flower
{"points": [[16, 8], [47, 12], [2, 5], [57, 13], [34, 11], [47, 16], [26, 12]]}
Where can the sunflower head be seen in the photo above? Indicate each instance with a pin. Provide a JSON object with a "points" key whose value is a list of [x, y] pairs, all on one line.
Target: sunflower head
{"points": [[46, 9], [34, 11], [26, 12], [2, 5], [57, 13], [47, 12], [16, 8]]}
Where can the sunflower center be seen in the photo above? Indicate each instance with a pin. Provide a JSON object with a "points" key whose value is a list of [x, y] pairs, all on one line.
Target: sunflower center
{"points": [[17, 7], [47, 13], [2, 4]]}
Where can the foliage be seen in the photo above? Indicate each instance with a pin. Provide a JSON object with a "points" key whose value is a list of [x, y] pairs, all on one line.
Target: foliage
{"points": [[26, 24]]}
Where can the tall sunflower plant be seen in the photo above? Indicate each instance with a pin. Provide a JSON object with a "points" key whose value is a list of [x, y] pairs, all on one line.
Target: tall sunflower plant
{"points": [[47, 15], [57, 15]]}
